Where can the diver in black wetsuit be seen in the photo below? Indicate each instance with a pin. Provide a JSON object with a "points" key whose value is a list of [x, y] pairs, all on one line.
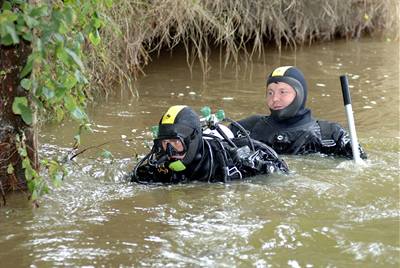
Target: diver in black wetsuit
{"points": [[290, 128], [182, 153]]}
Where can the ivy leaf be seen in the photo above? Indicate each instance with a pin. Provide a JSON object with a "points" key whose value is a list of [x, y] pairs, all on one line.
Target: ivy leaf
{"points": [[7, 40], [59, 115], [28, 36], [20, 106], [94, 37], [69, 103], [10, 29], [70, 81], [75, 58], [26, 115], [18, 102], [70, 15], [31, 22], [6, 6], [39, 11], [28, 66], [80, 77], [62, 54], [34, 195], [78, 114], [48, 93], [10, 169], [107, 154], [26, 84]]}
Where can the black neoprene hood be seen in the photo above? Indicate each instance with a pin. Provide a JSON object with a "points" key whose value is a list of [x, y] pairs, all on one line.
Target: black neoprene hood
{"points": [[295, 78]]}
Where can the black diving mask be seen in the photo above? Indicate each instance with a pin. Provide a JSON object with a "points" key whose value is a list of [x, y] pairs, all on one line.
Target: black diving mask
{"points": [[169, 154]]}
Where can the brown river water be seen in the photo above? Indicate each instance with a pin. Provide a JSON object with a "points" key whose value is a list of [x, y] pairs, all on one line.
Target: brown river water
{"points": [[326, 213]]}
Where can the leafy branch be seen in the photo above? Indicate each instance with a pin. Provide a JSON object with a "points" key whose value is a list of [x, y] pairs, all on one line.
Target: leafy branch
{"points": [[54, 75]]}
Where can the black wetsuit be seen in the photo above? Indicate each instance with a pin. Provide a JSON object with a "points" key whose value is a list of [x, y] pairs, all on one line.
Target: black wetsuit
{"points": [[301, 134], [216, 161]]}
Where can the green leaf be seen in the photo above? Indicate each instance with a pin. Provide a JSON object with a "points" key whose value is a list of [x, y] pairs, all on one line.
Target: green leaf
{"points": [[28, 66], [70, 81], [62, 54], [34, 195], [70, 15], [10, 169], [107, 154], [78, 114], [26, 114], [6, 6], [39, 11], [31, 185], [29, 175], [75, 58], [26, 83], [109, 3], [94, 37], [20, 106], [69, 103], [96, 23], [10, 29], [80, 77], [30, 21], [27, 36], [18, 102], [57, 179], [59, 114], [7, 40], [22, 152], [48, 93]]}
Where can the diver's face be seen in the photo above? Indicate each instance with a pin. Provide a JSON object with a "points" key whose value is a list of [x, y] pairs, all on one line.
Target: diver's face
{"points": [[280, 95], [177, 145]]}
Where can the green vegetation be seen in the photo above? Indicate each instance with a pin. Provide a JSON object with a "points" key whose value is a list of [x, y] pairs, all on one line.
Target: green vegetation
{"points": [[53, 77]]}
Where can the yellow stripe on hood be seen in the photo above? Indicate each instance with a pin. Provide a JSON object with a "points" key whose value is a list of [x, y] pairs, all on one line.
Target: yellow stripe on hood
{"points": [[170, 115], [280, 71]]}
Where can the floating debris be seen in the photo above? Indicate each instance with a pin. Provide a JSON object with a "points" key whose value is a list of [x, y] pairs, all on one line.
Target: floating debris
{"points": [[367, 107], [181, 95], [123, 136], [356, 76], [101, 126], [320, 85], [192, 93], [227, 98], [373, 102]]}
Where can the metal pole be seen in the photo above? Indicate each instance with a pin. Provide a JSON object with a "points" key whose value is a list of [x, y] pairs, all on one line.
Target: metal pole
{"points": [[350, 118]]}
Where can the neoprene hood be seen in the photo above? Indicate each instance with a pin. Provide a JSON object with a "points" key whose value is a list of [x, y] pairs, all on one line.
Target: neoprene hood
{"points": [[295, 78], [182, 122]]}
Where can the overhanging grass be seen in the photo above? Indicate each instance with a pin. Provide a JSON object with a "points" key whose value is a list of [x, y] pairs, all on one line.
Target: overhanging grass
{"points": [[137, 29]]}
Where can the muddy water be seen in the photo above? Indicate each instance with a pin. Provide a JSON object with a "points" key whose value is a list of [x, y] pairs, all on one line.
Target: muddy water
{"points": [[327, 213]]}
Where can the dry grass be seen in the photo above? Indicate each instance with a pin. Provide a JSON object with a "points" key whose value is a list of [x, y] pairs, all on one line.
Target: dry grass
{"points": [[138, 28]]}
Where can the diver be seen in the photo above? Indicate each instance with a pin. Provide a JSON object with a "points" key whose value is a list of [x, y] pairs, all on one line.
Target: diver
{"points": [[182, 152], [290, 128]]}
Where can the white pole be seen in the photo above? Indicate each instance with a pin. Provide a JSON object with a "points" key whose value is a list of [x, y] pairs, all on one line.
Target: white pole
{"points": [[350, 119]]}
